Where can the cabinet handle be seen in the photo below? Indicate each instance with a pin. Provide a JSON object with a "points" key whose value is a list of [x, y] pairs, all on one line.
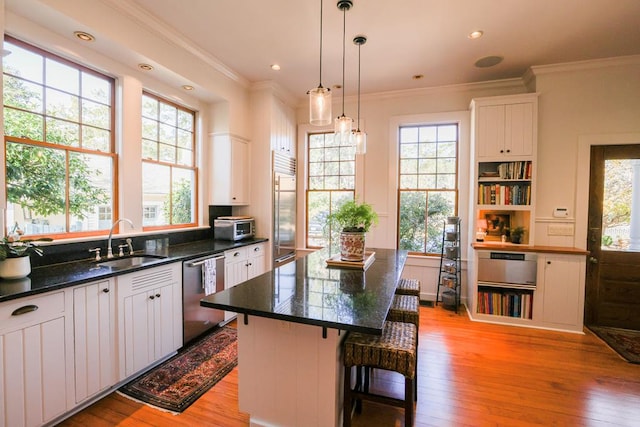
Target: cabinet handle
{"points": [[501, 151], [548, 262], [157, 295], [105, 290], [236, 254], [233, 198], [256, 249], [24, 310], [508, 151], [152, 297]]}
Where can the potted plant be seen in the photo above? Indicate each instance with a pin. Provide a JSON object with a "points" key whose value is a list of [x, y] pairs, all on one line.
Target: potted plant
{"points": [[355, 219], [517, 233], [14, 254]]}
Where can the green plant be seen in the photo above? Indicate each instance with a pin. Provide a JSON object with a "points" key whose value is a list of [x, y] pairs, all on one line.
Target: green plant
{"points": [[517, 233], [12, 246], [354, 216]]}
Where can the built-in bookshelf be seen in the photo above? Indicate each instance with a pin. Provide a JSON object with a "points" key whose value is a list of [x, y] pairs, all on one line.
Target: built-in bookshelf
{"points": [[504, 183], [505, 302]]}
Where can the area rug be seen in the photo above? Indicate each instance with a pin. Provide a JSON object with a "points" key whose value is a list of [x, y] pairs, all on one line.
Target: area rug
{"points": [[625, 342], [177, 383]]}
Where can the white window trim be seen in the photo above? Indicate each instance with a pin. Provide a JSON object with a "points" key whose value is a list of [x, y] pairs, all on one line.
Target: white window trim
{"points": [[463, 119]]}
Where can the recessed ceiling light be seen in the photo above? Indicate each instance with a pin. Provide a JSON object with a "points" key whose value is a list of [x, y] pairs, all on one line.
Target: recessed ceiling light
{"points": [[475, 34], [488, 61], [145, 67], [417, 76], [187, 87], [275, 67], [85, 37]]}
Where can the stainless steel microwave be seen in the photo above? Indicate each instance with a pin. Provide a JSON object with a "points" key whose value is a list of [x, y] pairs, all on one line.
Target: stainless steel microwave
{"points": [[233, 229]]}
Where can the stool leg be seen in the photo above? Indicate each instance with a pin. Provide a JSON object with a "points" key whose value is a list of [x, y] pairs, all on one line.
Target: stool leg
{"points": [[347, 398], [408, 401]]}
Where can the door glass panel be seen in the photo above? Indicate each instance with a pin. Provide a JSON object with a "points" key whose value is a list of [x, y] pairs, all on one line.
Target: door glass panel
{"points": [[617, 204]]}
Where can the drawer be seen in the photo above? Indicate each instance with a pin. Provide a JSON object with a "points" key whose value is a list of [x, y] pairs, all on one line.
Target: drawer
{"points": [[236, 254], [30, 310]]}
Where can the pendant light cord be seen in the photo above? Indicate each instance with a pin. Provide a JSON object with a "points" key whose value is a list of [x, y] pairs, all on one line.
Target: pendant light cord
{"points": [[320, 84], [344, 33], [359, 46]]}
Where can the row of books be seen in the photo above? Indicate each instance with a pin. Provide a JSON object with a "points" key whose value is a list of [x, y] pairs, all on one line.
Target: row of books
{"points": [[500, 194], [502, 302], [515, 170]]}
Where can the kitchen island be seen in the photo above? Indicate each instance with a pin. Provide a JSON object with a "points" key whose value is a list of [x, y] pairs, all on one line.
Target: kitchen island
{"points": [[291, 324]]}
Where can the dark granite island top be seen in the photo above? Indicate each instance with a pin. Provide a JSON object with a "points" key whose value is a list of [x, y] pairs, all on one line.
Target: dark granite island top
{"points": [[307, 291]]}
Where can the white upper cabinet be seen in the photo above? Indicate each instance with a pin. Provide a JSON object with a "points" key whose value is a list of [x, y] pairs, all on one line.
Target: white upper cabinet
{"points": [[283, 130], [231, 169], [505, 126]]}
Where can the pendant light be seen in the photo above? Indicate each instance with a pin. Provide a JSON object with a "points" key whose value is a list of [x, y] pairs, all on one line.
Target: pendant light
{"points": [[320, 97], [359, 136], [343, 123]]}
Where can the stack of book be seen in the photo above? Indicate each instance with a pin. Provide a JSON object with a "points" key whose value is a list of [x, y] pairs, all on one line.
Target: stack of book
{"points": [[503, 302]]}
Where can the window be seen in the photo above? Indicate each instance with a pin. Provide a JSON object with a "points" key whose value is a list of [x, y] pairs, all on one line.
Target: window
{"points": [[168, 164], [59, 142], [331, 181], [428, 185]]}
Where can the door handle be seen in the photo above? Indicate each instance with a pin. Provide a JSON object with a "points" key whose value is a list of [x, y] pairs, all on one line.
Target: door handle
{"points": [[593, 260]]}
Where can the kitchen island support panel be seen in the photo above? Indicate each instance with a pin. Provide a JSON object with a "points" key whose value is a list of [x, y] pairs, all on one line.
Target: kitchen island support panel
{"points": [[288, 374]]}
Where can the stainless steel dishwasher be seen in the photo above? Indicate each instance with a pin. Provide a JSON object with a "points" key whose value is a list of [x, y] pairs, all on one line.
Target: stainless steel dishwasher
{"points": [[197, 319]]}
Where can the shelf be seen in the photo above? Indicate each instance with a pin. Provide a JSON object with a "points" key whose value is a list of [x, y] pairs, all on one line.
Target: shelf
{"points": [[449, 276], [507, 286], [504, 207]]}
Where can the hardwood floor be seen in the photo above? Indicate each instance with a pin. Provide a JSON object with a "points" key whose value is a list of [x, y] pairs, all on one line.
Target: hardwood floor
{"points": [[469, 373]]}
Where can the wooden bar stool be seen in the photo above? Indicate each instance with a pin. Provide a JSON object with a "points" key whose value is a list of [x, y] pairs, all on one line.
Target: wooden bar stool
{"points": [[408, 287], [394, 350]]}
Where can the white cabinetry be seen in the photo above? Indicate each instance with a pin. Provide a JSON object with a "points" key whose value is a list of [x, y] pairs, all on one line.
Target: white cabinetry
{"points": [[242, 264], [94, 324], [563, 278], [505, 127], [149, 317], [35, 382], [231, 166]]}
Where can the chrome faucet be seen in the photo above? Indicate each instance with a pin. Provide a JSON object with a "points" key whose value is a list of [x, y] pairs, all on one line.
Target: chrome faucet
{"points": [[109, 249]]}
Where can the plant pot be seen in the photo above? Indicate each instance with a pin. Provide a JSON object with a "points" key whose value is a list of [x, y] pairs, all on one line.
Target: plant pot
{"points": [[515, 239], [15, 268], [352, 246]]}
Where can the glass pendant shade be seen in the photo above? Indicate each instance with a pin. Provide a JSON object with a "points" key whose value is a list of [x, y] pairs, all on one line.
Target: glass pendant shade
{"points": [[361, 141], [320, 106], [343, 126]]}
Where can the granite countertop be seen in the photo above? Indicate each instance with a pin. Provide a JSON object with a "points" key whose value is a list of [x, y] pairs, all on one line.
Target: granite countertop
{"points": [[57, 276], [307, 291]]}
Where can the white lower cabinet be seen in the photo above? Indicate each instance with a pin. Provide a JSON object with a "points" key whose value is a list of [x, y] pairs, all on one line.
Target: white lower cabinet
{"points": [[35, 347], [242, 264], [149, 317], [563, 278], [94, 325]]}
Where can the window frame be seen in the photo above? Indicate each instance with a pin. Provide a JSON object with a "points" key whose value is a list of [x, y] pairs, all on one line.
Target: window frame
{"points": [[308, 189], [66, 149], [442, 120], [193, 167]]}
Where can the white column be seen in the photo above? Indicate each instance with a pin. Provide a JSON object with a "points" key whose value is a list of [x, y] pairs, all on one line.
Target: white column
{"points": [[634, 228]]}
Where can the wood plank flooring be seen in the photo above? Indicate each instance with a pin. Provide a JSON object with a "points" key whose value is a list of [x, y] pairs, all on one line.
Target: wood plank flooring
{"points": [[469, 374]]}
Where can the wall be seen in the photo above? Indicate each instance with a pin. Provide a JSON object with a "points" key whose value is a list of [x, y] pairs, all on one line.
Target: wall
{"points": [[578, 101]]}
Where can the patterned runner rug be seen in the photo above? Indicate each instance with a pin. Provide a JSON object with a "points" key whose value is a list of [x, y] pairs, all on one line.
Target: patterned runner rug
{"points": [[181, 380], [625, 342]]}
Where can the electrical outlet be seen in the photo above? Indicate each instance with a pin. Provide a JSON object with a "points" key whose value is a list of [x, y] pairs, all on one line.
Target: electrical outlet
{"points": [[560, 230]]}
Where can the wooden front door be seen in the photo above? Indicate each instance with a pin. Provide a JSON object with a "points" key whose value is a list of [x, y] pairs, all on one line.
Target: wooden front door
{"points": [[613, 272]]}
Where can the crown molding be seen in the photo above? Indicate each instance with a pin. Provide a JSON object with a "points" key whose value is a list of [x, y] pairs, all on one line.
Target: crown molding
{"points": [[591, 64], [278, 91], [166, 32]]}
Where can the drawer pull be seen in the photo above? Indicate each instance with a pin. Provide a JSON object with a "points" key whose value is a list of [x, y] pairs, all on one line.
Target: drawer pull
{"points": [[24, 310], [105, 290]]}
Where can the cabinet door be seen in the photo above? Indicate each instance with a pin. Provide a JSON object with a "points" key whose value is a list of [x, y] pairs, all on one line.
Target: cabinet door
{"points": [[257, 261], [149, 325], [33, 374], [94, 332], [235, 267], [490, 131], [563, 290], [240, 168], [519, 129]]}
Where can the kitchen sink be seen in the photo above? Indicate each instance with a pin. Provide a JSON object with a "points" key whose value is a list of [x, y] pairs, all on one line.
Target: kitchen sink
{"points": [[130, 261]]}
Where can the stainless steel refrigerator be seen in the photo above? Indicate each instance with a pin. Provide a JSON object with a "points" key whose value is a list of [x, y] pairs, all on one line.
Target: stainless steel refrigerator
{"points": [[284, 208]]}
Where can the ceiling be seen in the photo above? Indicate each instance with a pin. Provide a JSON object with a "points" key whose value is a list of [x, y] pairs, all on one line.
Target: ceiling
{"points": [[404, 38]]}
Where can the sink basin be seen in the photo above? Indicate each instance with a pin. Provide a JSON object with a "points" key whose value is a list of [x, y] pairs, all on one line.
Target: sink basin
{"points": [[130, 261]]}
